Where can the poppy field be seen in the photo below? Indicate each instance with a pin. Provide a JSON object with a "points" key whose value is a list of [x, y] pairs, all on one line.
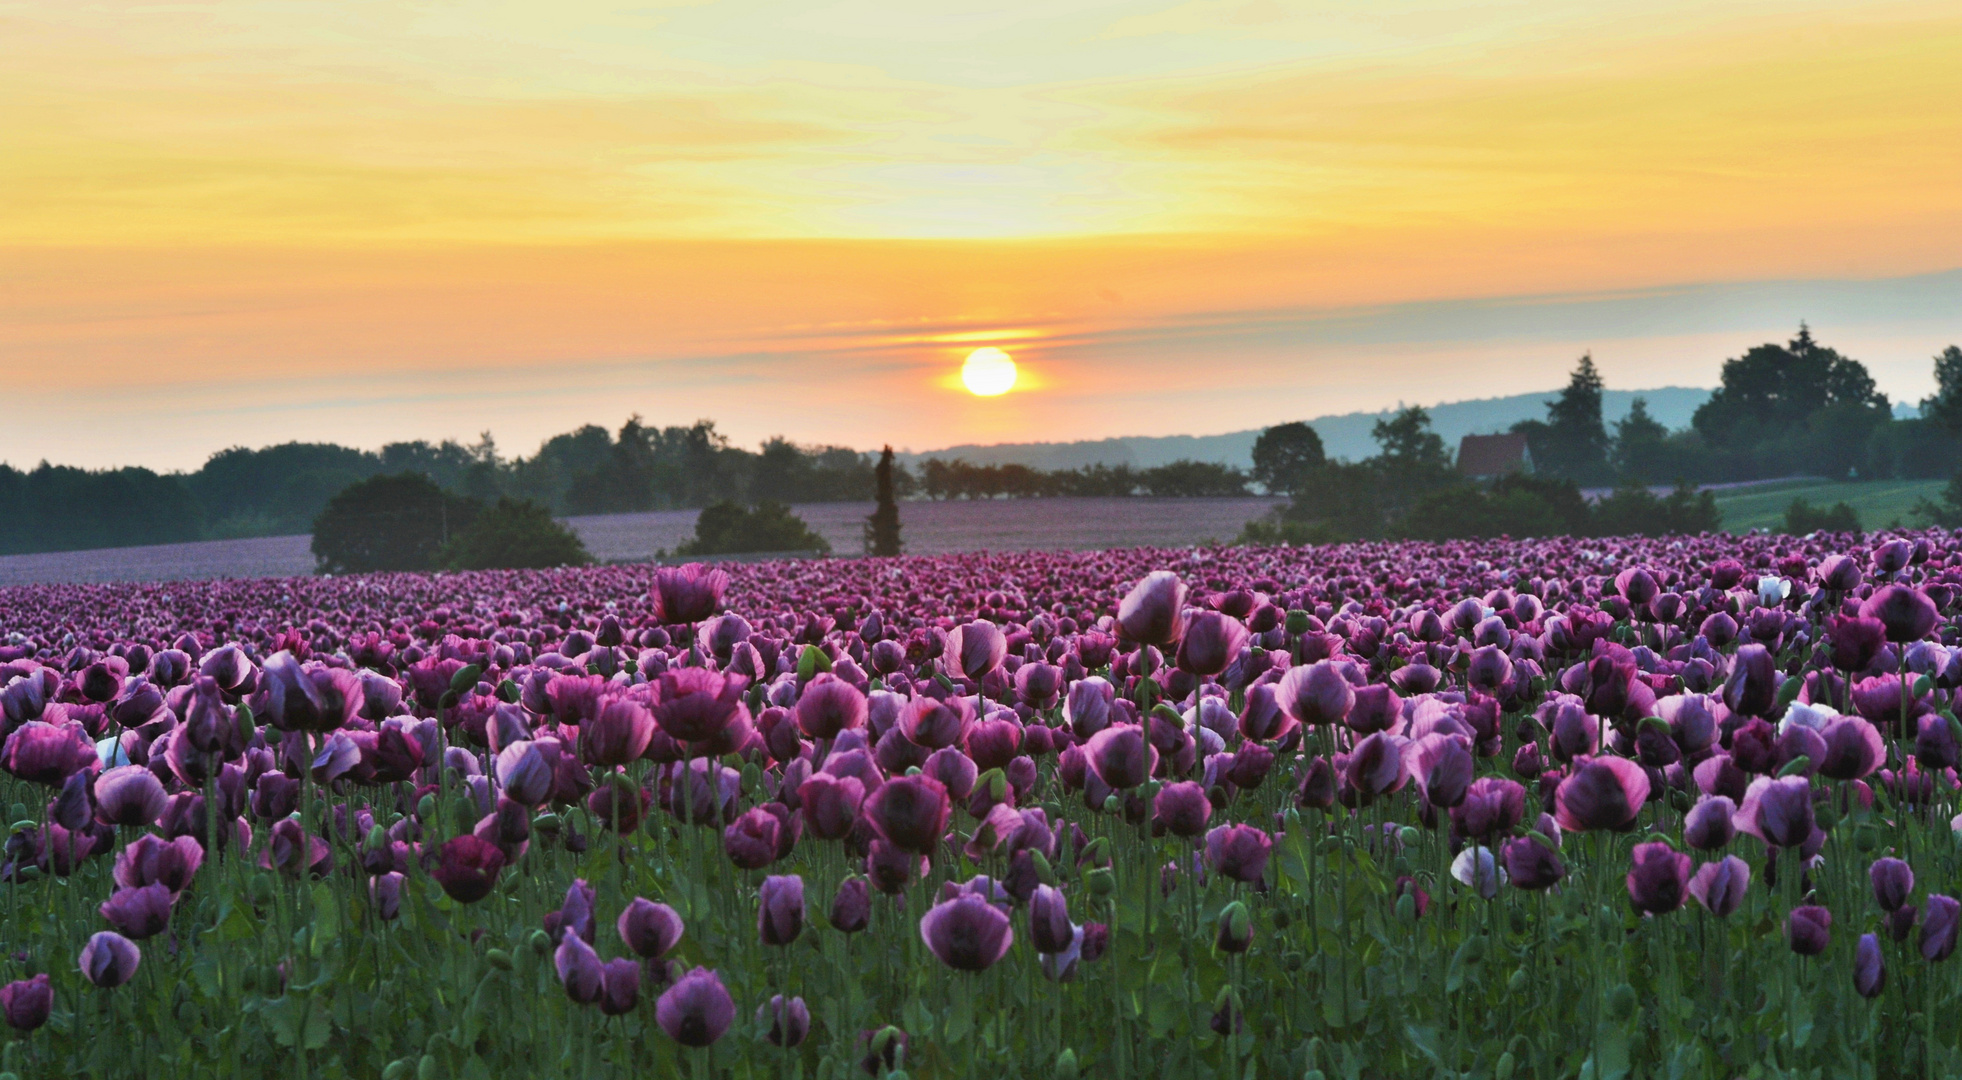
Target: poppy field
{"points": [[1678, 807]]}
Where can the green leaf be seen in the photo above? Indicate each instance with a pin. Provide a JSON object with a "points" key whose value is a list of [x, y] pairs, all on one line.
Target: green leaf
{"points": [[207, 973], [294, 1018], [811, 662], [960, 1019], [326, 919]]}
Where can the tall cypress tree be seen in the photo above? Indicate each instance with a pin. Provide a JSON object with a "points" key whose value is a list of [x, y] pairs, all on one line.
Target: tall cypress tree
{"points": [[1575, 440], [882, 527]]}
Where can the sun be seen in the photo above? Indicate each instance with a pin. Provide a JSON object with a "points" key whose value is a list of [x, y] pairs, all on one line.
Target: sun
{"points": [[988, 373]]}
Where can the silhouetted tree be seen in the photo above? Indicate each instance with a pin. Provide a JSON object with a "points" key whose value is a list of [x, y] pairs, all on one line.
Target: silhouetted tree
{"points": [[1285, 456], [728, 528], [398, 522], [515, 534], [1639, 445], [1945, 407], [882, 527]]}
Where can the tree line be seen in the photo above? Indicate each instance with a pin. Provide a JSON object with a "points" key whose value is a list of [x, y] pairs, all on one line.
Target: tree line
{"points": [[958, 479], [1781, 410]]}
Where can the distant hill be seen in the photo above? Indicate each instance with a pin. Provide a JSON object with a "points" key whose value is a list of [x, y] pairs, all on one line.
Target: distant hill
{"points": [[1345, 436]]}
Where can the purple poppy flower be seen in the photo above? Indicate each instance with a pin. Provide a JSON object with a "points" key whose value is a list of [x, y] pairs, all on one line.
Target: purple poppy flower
{"points": [[696, 1010], [1720, 886], [967, 933]]}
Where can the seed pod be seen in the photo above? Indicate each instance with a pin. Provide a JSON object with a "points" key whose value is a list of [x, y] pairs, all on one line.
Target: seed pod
{"points": [[1100, 881]]}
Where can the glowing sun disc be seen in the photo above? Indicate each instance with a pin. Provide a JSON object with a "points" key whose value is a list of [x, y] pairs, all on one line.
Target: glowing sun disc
{"points": [[988, 372]]}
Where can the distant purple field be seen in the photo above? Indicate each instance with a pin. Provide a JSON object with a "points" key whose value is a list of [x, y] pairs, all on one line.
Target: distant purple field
{"points": [[929, 528]]}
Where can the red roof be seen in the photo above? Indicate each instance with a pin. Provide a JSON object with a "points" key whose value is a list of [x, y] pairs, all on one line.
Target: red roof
{"points": [[1493, 455]]}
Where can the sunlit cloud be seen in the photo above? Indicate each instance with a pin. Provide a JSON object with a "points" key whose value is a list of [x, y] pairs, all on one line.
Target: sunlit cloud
{"points": [[380, 220]]}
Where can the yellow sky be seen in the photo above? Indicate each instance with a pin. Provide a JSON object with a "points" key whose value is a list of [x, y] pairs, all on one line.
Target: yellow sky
{"points": [[368, 221]]}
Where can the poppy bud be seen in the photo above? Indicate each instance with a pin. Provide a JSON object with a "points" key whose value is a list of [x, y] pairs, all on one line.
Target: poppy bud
{"points": [[1869, 968], [1235, 931]]}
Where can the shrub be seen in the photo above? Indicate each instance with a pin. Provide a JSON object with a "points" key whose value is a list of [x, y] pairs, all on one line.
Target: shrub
{"points": [[1636, 511], [728, 528], [399, 522], [1802, 517], [515, 534]]}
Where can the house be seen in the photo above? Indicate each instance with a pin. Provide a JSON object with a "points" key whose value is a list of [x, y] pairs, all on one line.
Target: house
{"points": [[1485, 457]]}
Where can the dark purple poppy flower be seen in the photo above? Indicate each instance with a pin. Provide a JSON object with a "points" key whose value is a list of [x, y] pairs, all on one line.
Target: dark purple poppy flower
{"points": [[1491, 806], [1893, 882], [150, 860], [1317, 694], [934, 724], [1708, 825], [851, 907], [1153, 612], [780, 909], [1938, 926], [109, 959], [1720, 886], [909, 812], [48, 754], [651, 930], [830, 705], [1376, 766], [580, 971], [974, 649], [1778, 812], [1238, 852], [1211, 640], [467, 868], [26, 1003], [1658, 881], [1531, 864], [790, 1022], [139, 912], [1181, 809], [1869, 969], [1601, 793], [619, 986], [1855, 641], [687, 594], [696, 1010], [830, 803], [1906, 613], [1809, 929], [967, 933], [1050, 929], [1121, 756]]}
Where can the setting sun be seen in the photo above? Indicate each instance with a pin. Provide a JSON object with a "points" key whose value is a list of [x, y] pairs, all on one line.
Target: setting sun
{"points": [[988, 372]]}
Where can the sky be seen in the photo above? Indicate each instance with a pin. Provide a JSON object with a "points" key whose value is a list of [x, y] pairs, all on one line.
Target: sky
{"points": [[238, 222]]}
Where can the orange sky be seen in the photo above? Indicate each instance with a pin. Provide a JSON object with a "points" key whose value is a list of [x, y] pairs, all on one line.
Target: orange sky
{"points": [[243, 221]]}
